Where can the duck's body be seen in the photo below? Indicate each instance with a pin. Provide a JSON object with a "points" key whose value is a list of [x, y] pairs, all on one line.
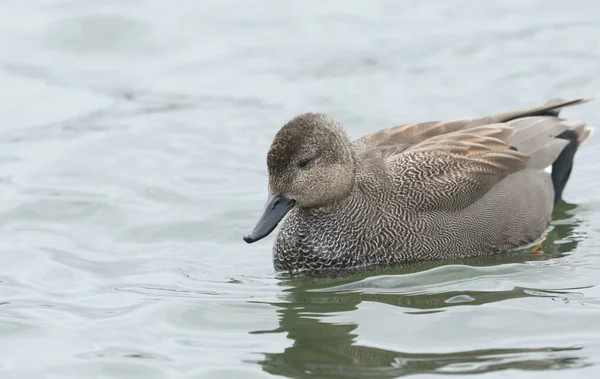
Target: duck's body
{"points": [[360, 232], [415, 192]]}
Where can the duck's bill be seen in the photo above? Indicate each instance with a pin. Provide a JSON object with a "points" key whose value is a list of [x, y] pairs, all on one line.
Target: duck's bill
{"points": [[275, 210]]}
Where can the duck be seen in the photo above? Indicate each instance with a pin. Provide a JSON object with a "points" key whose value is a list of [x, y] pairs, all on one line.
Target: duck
{"points": [[420, 191]]}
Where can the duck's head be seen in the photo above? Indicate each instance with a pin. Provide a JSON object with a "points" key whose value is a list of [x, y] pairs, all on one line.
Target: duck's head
{"points": [[311, 166]]}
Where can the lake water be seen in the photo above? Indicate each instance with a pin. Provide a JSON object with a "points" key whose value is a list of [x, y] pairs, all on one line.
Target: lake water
{"points": [[132, 159]]}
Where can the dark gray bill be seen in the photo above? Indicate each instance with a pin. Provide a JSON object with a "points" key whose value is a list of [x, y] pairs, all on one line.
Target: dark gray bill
{"points": [[275, 210]]}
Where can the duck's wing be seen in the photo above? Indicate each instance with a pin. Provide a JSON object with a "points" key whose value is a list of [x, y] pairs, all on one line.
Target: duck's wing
{"points": [[391, 141], [451, 170]]}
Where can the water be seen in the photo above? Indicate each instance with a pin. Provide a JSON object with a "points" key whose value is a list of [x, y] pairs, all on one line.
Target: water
{"points": [[132, 159]]}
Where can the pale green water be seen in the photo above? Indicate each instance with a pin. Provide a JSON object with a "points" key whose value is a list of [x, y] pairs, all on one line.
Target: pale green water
{"points": [[132, 160]]}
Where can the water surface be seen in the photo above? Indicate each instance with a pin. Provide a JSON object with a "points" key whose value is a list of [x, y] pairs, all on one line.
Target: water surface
{"points": [[132, 160]]}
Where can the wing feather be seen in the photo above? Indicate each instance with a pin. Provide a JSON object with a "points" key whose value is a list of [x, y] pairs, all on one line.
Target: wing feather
{"points": [[450, 165]]}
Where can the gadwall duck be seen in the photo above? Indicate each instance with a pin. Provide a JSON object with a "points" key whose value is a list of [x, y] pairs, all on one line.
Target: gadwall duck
{"points": [[434, 190]]}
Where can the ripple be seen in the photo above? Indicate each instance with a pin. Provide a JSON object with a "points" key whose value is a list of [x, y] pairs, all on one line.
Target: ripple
{"points": [[101, 32]]}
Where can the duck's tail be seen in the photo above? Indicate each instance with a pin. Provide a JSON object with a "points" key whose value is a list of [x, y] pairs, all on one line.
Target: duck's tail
{"points": [[576, 135], [548, 139], [561, 168]]}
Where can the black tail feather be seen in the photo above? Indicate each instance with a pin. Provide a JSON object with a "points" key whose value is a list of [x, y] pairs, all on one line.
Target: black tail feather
{"points": [[561, 168]]}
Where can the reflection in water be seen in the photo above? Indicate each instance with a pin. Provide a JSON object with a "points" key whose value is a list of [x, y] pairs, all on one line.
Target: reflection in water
{"points": [[362, 361], [327, 349], [562, 239]]}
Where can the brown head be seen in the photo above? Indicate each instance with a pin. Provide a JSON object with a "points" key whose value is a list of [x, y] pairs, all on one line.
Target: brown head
{"points": [[311, 165]]}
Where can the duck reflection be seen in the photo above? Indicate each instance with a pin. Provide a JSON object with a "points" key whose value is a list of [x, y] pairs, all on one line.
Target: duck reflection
{"points": [[327, 349]]}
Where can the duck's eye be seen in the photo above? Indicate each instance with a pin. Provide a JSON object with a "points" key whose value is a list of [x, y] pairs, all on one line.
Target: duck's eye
{"points": [[303, 163]]}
